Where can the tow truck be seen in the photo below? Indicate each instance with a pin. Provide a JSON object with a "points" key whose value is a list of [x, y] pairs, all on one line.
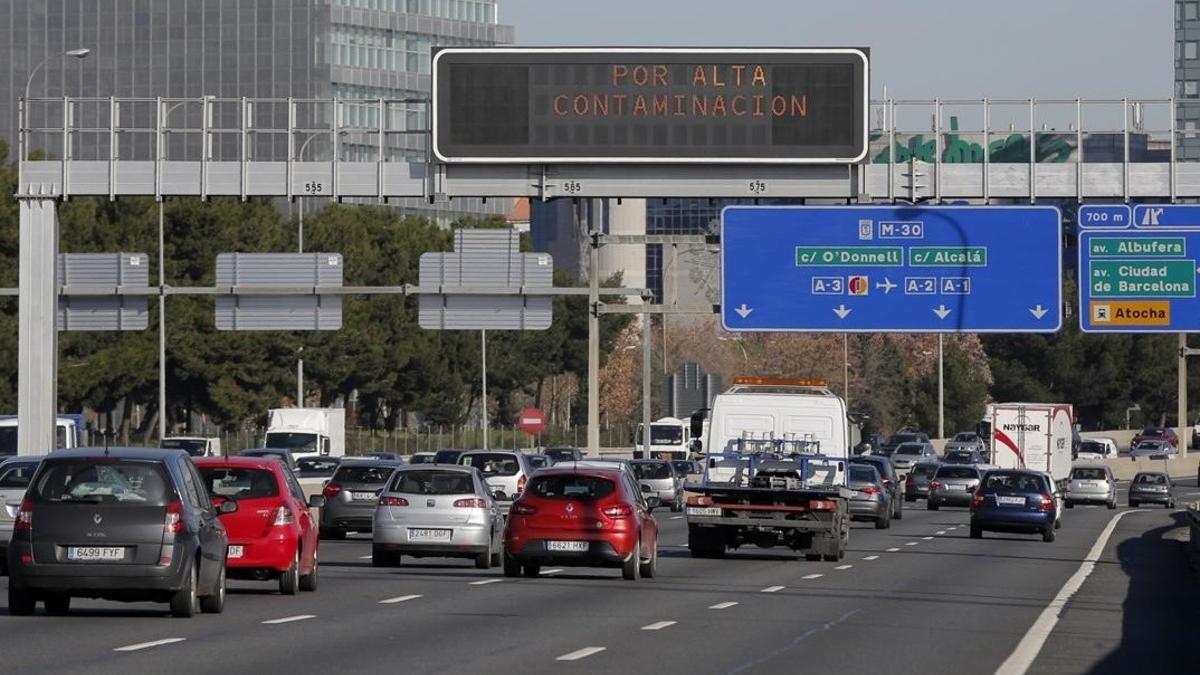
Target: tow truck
{"points": [[775, 471]]}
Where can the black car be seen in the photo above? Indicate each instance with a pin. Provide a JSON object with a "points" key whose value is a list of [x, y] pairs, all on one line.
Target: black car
{"points": [[894, 441], [125, 524], [557, 455], [447, 456], [964, 457], [317, 467], [280, 454], [887, 472]]}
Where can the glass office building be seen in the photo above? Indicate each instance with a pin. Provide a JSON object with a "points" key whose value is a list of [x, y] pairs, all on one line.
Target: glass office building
{"points": [[1187, 78]]}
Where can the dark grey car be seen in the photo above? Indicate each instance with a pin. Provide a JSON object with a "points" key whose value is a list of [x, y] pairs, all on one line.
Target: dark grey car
{"points": [[125, 524], [953, 485], [916, 483], [1152, 487], [351, 494], [15, 474]]}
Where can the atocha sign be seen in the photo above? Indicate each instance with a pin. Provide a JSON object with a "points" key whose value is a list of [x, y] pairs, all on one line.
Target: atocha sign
{"points": [[528, 105]]}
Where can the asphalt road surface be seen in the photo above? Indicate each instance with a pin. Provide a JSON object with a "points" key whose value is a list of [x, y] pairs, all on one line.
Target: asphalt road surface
{"points": [[921, 597]]}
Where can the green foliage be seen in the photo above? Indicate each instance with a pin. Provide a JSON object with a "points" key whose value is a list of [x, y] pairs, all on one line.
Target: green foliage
{"points": [[965, 393]]}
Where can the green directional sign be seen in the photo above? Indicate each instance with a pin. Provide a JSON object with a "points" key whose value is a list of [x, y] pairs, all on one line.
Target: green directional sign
{"points": [[1141, 278], [836, 256], [1143, 247], [947, 256]]}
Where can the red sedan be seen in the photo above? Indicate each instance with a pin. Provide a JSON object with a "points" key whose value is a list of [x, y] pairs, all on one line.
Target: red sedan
{"points": [[582, 517], [1156, 434], [272, 536]]}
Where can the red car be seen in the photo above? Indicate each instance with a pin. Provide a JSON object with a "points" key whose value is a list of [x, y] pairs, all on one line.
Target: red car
{"points": [[1156, 434], [581, 517], [271, 535]]}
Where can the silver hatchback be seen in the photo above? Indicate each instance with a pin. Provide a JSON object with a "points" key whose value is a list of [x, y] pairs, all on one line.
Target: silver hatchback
{"points": [[437, 510], [505, 471], [658, 478], [952, 485], [1091, 483]]}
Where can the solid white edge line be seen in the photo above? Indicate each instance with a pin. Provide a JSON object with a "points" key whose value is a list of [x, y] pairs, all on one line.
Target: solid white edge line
{"points": [[484, 582], [658, 625], [147, 645], [871, 557], [722, 605], [289, 619], [580, 654], [772, 589], [402, 598], [1035, 638]]}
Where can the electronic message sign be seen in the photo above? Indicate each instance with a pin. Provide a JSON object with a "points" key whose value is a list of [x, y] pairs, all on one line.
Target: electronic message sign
{"points": [[729, 106]]}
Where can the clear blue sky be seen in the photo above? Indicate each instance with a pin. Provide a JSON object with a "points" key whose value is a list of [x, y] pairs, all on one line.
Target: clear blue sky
{"points": [[919, 48]]}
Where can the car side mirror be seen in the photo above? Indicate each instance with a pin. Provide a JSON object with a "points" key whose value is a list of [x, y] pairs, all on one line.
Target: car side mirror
{"points": [[228, 506], [499, 495], [316, 501], [653, 503]]}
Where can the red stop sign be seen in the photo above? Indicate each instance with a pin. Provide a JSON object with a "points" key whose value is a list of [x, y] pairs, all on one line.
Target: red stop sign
{"points": [[532, 421]]}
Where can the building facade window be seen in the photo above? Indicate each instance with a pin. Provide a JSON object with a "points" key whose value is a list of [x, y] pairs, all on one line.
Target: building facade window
{"points": [[1189, 50], [1190, 89], [1189, 11], [1189, 129]]}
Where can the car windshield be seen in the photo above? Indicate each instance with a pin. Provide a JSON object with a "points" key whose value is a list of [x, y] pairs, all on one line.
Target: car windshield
{"points": [[924, 470], [956, 472], [371, 475], [424, 458], [663, 434], [965, 438], [863, 474], [1152, 479], [910, 449], [492, 464], [1088, 473], [1017, 482], [16, 475], [194, 447], [102, 480], [682, 466], [651, 470], [239, 482], [433, 482], [309, 467], [1153, 431], [1092, 446], [881, 465], [571, 486], [292, 442]]}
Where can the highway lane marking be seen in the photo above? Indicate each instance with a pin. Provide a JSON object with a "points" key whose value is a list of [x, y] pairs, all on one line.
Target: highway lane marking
{"points": [[892, 550], [147, 645], [722, 605], [485, 582], [772, 589], [912, 543], [365, 557], [812, 576], [1035, 638], [580, 654], [940, 532], [555, 570], [676, 517], [873, 557], [658, 625], [290, 619], [402, 598], [843, 567], [927, 538]]}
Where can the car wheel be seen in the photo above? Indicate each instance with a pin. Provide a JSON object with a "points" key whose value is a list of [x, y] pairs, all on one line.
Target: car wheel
{"points": [[1058, 523], [308, 582], [650, 567], [58, 604], [185, 602], [976, 532], [884, 521], [1048, 534], [1068, 503], [289, 581], [380, 557], [512, 567], [632, 564], [332, 533], [1171, 504], [899, 514], [20, 600], [1112, 505], [531, 570], [483, 560], [496, 559], [931, 505], [215, 603], [909, 498], [1133, 504]]}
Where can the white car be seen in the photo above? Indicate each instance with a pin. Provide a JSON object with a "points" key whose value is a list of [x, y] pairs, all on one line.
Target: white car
{"points": [[1097, 449]]}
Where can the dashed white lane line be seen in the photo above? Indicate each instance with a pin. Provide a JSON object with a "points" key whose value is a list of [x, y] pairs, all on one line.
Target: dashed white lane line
{"points": [[940, 532], [365, 557], [843, 567], [772, 589], [911, 543], [554, 570], [871, 557], [401, 598], [485, 582], [722, 605], [580, 654], [290, 619], [676, 517], [147, 645], [812, 576], [658, 625], [927, 538], [892, 550]]}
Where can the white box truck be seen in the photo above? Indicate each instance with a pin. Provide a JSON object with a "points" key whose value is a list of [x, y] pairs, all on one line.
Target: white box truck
{"points": [[307, 432], [669, 439], [1030, 436]]}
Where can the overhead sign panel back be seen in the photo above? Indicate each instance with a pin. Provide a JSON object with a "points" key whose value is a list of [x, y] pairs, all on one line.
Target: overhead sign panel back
{"points": [[892, 269], [551, 105]]}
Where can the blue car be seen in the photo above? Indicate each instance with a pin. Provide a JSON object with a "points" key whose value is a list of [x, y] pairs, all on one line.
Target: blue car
{"points": [[1015, 500]]}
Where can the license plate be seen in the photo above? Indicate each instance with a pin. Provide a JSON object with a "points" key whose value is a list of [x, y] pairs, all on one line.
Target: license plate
{"points": [[235, 552], [1010, 501], [704, 510], [363, 496], [104, 553], [428, 535], [572, 546]]}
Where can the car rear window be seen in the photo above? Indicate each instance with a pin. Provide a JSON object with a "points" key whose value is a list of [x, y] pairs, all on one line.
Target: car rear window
{"points": [[492, 464], [571, 486], [376, 475], [317, 465], [421, 459], [239, 483], [651, 470], [103, 481], [957, 472], [433, 482], [538, 461], [909, 449], [924, 470], [17, 475], [1089, 474], [1017, 482], [1152, 479], [682, 466], [559, 454], [864, 474]]}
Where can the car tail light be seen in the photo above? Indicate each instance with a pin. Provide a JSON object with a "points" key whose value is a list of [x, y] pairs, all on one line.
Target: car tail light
{"points": [[520, 509], [24, 522], [976, 501], [521, 483], [173, 524], [471, 503], [870, 489], [1047, 503], [822, 505], [282, 516], [393, 501], [934, 485], [618, 511], [887, 481], [331, 490], [699, 500]]}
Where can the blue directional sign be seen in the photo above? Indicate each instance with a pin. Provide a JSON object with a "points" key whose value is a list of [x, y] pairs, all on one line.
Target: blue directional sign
{"points": [[937, 269], [1140, 278]]}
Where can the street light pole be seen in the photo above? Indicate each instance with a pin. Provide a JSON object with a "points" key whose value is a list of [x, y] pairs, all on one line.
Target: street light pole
{"points": [[80, 53], [300, 158], [162, 329], [941, 390]]}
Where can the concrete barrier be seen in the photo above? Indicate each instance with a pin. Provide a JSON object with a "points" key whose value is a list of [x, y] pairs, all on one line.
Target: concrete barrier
{"points": [[1125, 468]]}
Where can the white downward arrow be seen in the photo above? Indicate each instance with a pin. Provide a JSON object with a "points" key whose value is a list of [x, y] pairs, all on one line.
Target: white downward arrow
{"points": [[941, 312], [1039, 311], [887, 285], [842, 312], [743, 311]]}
